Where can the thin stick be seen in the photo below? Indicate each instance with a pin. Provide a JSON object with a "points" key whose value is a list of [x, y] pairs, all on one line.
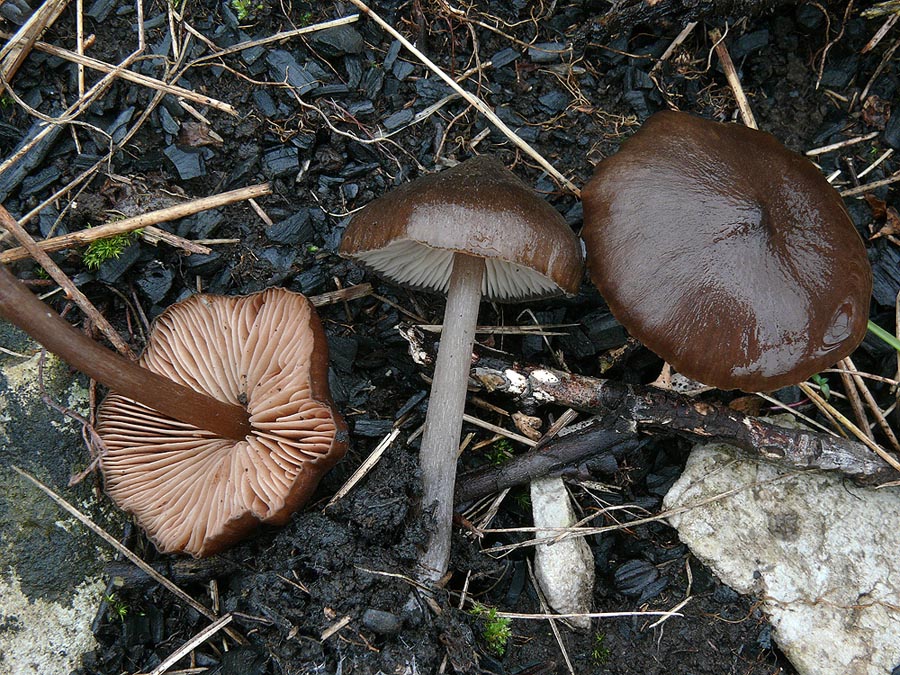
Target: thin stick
{"points": [[364, 468], [192, 644], [72, 291], [113, 228], [342, 295], [733, 81], [873, 405], [154, 235], [874, 165], [112, 541], [841, 144], [131, 76], [868, 187], [474, 101], [19, 45], [856, 402], [874, 447]]}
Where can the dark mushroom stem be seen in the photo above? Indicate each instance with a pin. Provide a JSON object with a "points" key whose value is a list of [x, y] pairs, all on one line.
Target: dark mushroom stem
{"points": [[443, 422], [21, 308]]}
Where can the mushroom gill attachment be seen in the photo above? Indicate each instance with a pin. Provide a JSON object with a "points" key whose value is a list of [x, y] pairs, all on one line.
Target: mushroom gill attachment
{"points": [[725, 253], [198, 493]]}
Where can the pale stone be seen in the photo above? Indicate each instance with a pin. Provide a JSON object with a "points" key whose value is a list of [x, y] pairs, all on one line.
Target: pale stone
{"points": [[564, 569], [822, 554], [41, 636]]}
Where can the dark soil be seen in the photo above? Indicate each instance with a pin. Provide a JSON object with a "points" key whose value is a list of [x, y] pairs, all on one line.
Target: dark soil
{"points": [[574, 99]]}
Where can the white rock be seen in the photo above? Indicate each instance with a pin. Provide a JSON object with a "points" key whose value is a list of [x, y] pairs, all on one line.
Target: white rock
{"points": [[565, 569], [822, 555]]}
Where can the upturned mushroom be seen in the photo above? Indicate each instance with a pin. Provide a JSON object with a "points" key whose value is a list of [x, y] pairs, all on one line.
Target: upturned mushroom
{"points": [[196, 492], [182, 453], [725, 253], [472, 231]]}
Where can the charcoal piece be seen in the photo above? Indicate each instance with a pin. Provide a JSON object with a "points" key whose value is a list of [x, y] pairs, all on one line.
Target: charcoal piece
{"points": [[603, 330], [293, 230], [204, 263], [402, 69], [885, 273], [360, 108], [353, 66], [411, 403], [13, 176], [38, 181], [338, 41], [380, 622], [369, 428], [892, 130], [342, 352], [638, 102], [48, 225], [119, 127], [281, 258], [9, 133], [839, 71], [251, 55], [575, 214], [284, 68], [169, 124], [504, 57], [350, 191], [575, 344], [15, 11], [200, 225], [112, 270], [748, 43], [332, 90], [265, 103], [653, 589], [548, 52], [398, 119], [304, 141], [554, 102], [187, 164], [810, 16], [635, 78], [101, 9], [280, 161], [156, 281], [392, 53], [632, 577], [431, 89], [372, 82], [356, 170], [310, 280]]}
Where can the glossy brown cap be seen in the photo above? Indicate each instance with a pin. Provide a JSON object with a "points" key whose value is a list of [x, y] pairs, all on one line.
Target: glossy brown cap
{"points": [[197, 493], [479, 208], [726, 253]]}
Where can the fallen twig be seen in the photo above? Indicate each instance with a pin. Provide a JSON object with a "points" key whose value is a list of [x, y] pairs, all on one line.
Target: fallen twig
{"points": [[630, 410], [19, 45], [110, 229]]}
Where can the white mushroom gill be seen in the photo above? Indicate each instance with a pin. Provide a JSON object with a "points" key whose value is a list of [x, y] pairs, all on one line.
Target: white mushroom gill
{"points": [[193, 491], [414, 264]]}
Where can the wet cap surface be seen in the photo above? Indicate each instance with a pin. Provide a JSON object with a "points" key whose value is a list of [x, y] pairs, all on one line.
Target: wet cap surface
{"points": [[726, 253], [480, 208]]}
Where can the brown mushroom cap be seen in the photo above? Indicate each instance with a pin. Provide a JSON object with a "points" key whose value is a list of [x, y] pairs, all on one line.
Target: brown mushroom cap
{"points": [[198, 493], [726, 253], [479, 208]]}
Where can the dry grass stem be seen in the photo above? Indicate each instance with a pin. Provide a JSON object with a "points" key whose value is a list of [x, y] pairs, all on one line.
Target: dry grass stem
{"points": [[733, 80], [125, 552], [823, 405], [191, 644], [474, 101], [856, 403], [364, 468], [799, 415], [154, 235], [499, 430], [841, 144], [874, 165], [19, 45], [137, 78], [549, 616], [354, 292], [546, 329], [871, 403], [83, 237], [868, 187], [72, 291]]}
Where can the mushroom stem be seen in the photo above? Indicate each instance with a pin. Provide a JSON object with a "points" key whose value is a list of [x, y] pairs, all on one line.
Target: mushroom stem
{"points": [[22, 308], [443, 422]]}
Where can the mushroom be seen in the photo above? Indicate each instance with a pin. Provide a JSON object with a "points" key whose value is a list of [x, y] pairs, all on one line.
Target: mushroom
{"points": [[23, 309], [194, 491], [471, 231], [726, 253]]}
